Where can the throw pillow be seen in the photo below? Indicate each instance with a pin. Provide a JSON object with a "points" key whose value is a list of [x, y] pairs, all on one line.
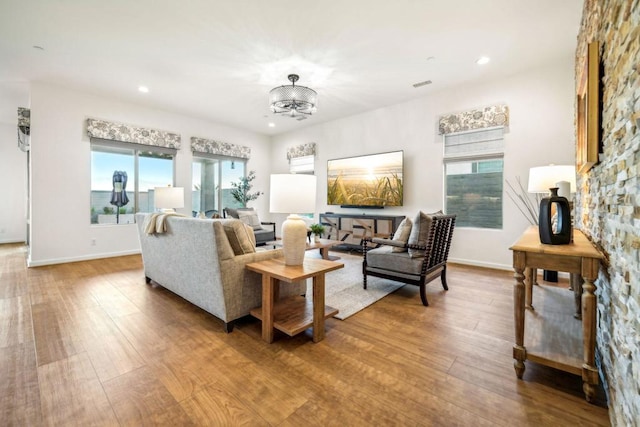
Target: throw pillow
{"points": [[241, 237], [250, 217], [420, 232], [402, 234]]}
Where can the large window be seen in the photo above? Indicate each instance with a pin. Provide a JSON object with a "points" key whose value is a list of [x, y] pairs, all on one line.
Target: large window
{"points": [[473, 165], [212, 177], [145, 168]]}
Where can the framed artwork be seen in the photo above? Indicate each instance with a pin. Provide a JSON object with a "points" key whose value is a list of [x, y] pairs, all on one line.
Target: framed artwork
{"points": [[588, 111]]}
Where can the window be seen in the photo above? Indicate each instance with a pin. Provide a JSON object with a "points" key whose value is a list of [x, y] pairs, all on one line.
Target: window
{"points": [[211, 188], [304, 164], [146, 167], [473, 165]]}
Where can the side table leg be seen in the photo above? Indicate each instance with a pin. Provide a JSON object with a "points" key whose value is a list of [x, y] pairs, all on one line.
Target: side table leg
{"points": [[318, 308], [590, 268], [519, 352], [268, 284], [530, 280]]}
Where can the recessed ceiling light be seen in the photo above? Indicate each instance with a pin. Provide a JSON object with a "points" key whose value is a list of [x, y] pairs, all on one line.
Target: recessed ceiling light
{"points": [[143, 89], [483, 60], [272, 125]]}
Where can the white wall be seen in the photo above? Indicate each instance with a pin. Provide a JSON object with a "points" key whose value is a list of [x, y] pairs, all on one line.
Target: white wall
{"points": [[61, 177], [541, 132], [13, 175]]}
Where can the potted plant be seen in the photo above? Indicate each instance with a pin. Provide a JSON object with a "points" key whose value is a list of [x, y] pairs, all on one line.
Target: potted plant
{"points": [[241, 190], [317, 230]]}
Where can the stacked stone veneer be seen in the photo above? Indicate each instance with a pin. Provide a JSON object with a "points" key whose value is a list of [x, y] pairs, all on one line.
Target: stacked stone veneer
{"points": [[608, 200]]}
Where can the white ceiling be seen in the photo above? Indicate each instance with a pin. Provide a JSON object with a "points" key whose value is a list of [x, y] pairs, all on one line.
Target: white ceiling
{"points": [[218, 59]]}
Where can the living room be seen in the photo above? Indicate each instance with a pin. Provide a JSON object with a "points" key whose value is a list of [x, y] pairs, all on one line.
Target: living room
{"points": [[541, 130]]}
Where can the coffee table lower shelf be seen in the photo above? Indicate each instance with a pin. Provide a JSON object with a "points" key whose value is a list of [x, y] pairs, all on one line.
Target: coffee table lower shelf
{"points": [[293, 315]]}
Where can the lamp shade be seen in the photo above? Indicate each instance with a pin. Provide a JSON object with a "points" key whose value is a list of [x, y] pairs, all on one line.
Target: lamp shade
{"points": [[169, 197], [542, 178], [293, 194]]}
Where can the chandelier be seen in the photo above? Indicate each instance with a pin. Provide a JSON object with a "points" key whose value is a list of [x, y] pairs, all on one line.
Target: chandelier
{"points": [[293, 99]]}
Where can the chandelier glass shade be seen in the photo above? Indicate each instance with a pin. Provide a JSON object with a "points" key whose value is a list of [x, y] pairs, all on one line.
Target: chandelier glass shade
{"points": [[293, 99]]}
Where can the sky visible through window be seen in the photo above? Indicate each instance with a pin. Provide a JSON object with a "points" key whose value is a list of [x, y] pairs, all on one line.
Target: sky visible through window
{"points": [[154, 172]]}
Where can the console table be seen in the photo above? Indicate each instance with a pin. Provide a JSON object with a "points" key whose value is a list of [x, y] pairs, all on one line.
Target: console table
{"points": [[294, 314], [553, 336], [351, 229]]}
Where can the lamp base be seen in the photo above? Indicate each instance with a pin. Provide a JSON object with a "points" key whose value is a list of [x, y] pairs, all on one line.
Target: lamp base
{"points": [[294, 240]]}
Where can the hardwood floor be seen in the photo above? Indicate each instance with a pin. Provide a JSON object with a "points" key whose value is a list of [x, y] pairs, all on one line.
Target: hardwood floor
{"points": [[89, 343]]}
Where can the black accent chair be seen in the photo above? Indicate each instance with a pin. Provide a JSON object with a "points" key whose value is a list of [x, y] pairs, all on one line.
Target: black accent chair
{"points": [[429, 261], [266, 234]]}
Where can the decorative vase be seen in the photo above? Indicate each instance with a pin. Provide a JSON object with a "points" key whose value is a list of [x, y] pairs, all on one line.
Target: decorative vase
{"points": [[560, 234], [316, 238]]}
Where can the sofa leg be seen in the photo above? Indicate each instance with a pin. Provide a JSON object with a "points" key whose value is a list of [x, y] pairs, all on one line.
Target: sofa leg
{"points": [[228, 327], [147, 279], [364, 281]]}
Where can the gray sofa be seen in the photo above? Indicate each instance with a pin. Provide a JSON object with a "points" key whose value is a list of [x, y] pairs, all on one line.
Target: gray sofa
{"points": [[195, 259]]}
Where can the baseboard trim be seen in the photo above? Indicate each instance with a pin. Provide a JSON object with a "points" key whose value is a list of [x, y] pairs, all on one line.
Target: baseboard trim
{"points": [[40, 263], [481, 264], [497, 266]]}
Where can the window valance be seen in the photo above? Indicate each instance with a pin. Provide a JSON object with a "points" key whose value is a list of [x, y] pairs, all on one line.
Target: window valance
{"points": [[103, 129], [487, 117], [24, 117], [308, 149], [202, 145]]}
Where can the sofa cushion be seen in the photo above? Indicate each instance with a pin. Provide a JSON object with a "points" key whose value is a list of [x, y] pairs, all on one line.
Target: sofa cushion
{"points": [[420, 232], [250, 217], [402, 234], [241, 237]]}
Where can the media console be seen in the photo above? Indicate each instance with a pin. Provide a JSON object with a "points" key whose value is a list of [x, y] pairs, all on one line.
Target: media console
{"points": [[351, 229]]}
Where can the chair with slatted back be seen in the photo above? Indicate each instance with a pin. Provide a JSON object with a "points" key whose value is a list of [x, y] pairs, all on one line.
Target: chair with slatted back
{"points": [[417, 261]]}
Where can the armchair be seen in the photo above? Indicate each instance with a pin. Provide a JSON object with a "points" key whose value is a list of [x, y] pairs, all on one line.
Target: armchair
{"points": [[416, 262], [263, 231]]}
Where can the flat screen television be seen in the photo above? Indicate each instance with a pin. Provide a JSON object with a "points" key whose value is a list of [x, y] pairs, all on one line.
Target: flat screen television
{"points": [[371, 181]]}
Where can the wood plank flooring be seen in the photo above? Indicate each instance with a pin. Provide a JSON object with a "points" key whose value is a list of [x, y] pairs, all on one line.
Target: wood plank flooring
{"points": [[89, 343]]}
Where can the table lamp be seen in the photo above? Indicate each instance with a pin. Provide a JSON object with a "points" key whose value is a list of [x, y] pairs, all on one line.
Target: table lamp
{"points": [[293, 194], [560, 182], [168, 198]]}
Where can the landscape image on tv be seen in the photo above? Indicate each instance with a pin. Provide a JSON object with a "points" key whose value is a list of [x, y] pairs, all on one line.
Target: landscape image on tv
{"points": [[372, 180]]}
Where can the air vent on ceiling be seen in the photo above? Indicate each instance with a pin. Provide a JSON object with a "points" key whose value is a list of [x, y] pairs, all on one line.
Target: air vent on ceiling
{"points": [[424, 83]]}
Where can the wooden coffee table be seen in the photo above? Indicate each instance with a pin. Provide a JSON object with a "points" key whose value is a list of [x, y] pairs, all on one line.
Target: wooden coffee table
{"points": [[294, 314], [322, 244]]}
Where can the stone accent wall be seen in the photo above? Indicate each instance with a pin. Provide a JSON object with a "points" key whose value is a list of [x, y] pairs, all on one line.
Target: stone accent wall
{"points": [[608, 200]]}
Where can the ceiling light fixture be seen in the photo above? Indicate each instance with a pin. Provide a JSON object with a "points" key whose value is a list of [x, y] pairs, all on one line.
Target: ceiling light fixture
{"points": [[272, 125], [293, 99], [483, 60], [143, 89]]}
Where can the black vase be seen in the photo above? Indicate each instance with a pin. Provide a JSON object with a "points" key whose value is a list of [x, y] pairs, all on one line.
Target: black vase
{"points": [[561, 235]]}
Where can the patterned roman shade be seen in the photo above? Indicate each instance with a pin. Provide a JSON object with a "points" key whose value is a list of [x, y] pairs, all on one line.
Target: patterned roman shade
{"points": [[308, 149], [202, 145], [487, 117], [103, 129]]}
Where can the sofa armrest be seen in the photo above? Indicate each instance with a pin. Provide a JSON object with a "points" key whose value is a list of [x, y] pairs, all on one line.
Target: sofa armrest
{"points": [[272, 224]]}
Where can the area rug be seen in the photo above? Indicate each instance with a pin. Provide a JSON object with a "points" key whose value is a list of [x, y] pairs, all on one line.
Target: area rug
{"points": [[343, 287]]}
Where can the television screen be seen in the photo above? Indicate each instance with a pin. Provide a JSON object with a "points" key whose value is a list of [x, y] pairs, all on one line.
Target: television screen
{"points": [[373, 180]]}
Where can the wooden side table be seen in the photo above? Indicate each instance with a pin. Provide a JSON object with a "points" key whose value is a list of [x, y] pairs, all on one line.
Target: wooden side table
{"points": [[553, 336], [294, 314]]}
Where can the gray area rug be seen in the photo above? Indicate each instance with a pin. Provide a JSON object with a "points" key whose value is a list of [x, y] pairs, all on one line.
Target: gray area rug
{"points": [[343, 287]]}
